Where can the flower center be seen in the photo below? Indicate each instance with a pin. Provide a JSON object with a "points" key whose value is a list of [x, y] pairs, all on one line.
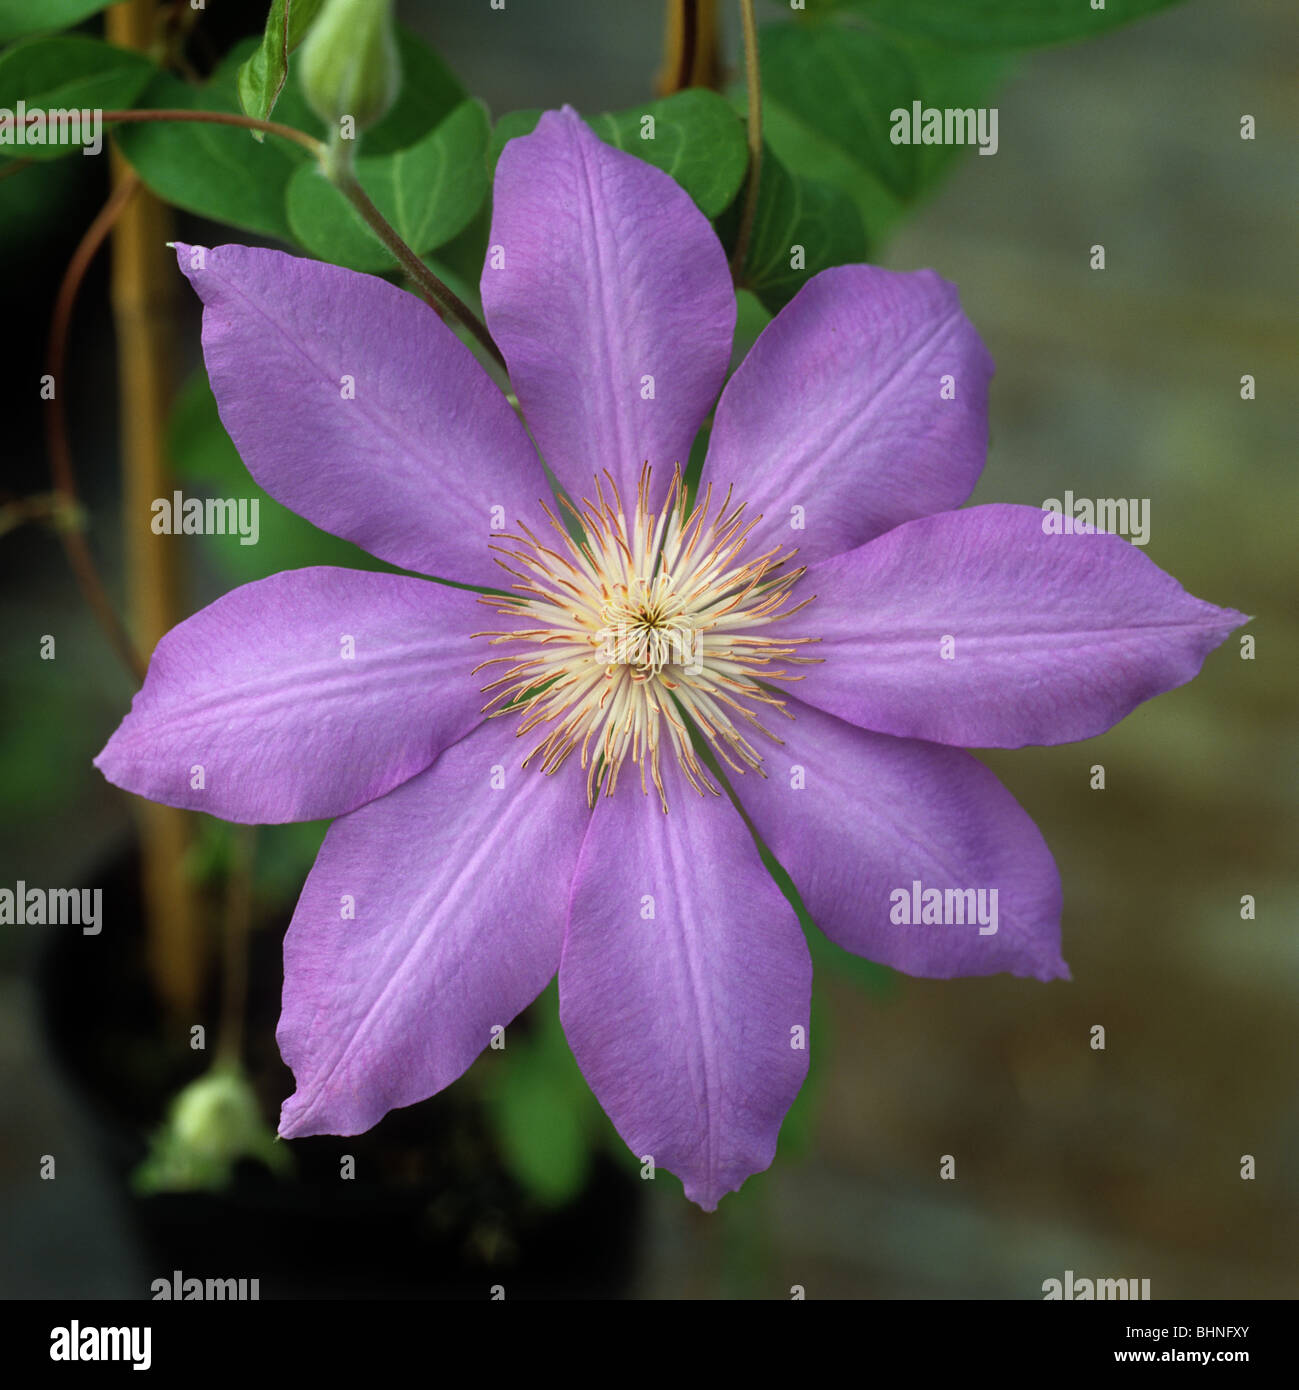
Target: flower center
{"points": [[646, 626], [639, 630]]}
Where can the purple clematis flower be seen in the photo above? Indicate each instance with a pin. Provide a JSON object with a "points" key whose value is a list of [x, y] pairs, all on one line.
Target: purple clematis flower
{"points": [[572, 824]]}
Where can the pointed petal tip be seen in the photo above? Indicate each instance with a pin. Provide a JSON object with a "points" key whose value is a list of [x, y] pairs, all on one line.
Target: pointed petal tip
{"points": [[563, 119], [707, 1195], [1057, 970], [1226, 620], [293, 1120], [1235, 619], [184, 259], [303, 1118], [704, 1080], [112, 765], [1030, 682]]}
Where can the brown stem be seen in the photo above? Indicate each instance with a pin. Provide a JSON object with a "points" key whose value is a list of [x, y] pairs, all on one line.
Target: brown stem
{"points": [[144, 304], [753, 83], [36, 506], [286, 132], [689, 42], [180, 113], [691, 52], [56, 430], [440, 296]]}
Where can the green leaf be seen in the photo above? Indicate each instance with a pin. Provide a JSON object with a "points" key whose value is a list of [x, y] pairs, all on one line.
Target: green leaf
{"points": [[430, 91], [542, 1110], [63, 74], [1003, 23], [826, 956], [429, 192], [199, 448], [460, 262], [282, 859], [799, 1127], [219, 172], [831, 92], [19, 17], [800, 147], [751, 317], [697, 139], [801, 226], [262, 77], [285, 854], [202, 454], [222, 173], [541, 1130], [843, 83]]}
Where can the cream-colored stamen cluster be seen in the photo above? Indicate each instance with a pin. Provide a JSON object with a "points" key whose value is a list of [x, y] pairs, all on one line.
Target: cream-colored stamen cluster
{"points": [[638, 628]]}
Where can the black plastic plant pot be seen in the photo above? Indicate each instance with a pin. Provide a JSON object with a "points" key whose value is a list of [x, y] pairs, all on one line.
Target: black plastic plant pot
{"points": [[428, 1210]]}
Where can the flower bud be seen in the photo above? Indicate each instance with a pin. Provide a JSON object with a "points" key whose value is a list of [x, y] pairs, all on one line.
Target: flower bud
{"points": [[211, 1125], [349, 65]]}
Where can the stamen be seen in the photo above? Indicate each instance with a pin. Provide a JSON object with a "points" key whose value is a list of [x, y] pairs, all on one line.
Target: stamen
{"points": [[640, 631]]}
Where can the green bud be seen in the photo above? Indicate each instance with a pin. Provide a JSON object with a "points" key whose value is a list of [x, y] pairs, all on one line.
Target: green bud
{"points": [[211, 1125], [349, 66]]}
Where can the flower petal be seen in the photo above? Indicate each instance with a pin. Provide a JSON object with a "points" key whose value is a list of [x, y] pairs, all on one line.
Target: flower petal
{"points": [[254, 711], [1052, 637], [839, 424], [352, 403], [602, 275], [684, 981], [856, 817], [459, 882]]}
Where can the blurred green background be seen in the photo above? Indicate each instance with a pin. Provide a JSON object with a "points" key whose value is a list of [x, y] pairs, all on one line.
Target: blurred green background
{"points": [[1126, 382]]}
